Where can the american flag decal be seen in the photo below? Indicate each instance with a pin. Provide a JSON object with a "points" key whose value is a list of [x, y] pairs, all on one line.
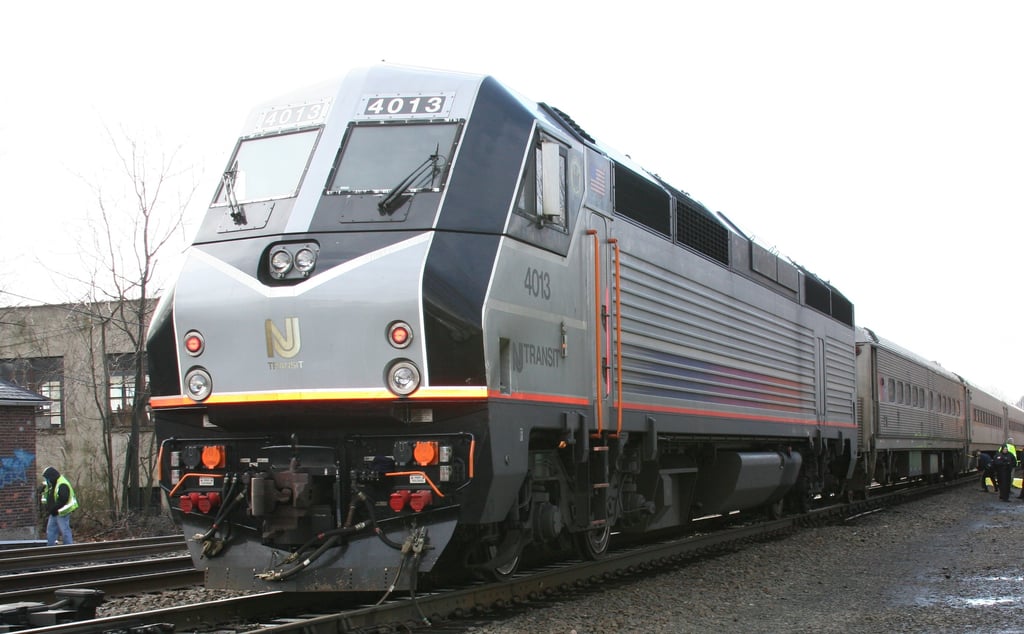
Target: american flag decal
{"points": [[598, 179]]}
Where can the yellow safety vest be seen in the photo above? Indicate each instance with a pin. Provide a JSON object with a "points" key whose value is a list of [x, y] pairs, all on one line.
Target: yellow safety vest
{"points": [[49, 491]]}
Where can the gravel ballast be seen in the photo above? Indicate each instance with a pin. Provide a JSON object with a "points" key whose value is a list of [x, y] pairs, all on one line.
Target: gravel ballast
{"points": [[946, 563]]}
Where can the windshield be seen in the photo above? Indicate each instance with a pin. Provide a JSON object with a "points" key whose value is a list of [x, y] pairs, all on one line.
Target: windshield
{"points": [[267, 167], [380, 158]]}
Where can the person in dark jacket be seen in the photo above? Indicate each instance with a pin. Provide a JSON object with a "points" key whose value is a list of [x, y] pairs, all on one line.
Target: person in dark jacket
{"points": [[987, 472], [59, 501], [1004, 463]]}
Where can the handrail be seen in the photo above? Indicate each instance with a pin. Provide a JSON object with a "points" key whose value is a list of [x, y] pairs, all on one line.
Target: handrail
{"points": [[597, 328], [618, 336]]}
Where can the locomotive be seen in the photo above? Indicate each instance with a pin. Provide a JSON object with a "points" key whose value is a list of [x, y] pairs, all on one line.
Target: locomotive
{"points": [[427, 322]]}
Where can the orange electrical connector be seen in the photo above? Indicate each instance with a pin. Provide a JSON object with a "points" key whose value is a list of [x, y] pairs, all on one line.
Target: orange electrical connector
{"points": [[214, 457], [425, 452]]}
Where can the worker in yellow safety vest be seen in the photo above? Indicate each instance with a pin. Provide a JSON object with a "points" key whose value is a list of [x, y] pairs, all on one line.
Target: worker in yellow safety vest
{"points": [[59, 501], [1012, 448]]}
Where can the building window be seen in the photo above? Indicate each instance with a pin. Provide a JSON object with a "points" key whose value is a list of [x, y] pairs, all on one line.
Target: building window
{"points": [[44, 376], [50, 414], [122, 393], [121, 388]]}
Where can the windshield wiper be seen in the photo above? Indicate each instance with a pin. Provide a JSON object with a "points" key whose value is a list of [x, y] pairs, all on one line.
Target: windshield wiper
{"points": [[387, 205], [237, 211]]}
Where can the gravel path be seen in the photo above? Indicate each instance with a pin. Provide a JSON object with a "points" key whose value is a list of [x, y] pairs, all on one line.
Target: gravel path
{"points": [[948, 563]]}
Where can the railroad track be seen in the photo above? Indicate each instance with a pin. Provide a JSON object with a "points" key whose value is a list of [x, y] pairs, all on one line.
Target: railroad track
{"points": [[35, 558], [117, 567], [198, 617], [314, 613]]}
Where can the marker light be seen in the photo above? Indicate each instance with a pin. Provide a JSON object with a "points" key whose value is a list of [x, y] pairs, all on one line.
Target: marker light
{"points": [[194, 343], [198, 384], [399, 334], [403, 378]]}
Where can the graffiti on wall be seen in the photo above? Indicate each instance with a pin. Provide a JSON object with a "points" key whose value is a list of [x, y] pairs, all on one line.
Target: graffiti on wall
{"points": [[14, 470]]}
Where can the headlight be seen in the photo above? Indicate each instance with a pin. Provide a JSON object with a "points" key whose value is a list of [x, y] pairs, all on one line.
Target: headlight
{"points": [[292, 261], [198, 384], [403, 378], [305, 260], [280, 262]]}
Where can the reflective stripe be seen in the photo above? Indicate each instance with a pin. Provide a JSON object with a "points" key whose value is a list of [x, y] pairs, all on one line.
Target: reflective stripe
{"points": [[72, 503]]}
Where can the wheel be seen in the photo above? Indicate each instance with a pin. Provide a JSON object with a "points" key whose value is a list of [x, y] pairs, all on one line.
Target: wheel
{"points": [[593, 544], [505, 571], [496, 560]]}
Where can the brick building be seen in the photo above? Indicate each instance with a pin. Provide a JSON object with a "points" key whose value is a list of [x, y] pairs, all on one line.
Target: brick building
{"points": [[80, 358], [18, 479]]}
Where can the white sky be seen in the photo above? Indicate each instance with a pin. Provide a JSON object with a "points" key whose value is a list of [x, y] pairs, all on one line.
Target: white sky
{"points": [[878, 143]]}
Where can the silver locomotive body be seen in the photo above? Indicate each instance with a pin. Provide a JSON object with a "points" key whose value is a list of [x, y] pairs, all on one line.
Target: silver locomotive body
{"points": [[426, 321]]}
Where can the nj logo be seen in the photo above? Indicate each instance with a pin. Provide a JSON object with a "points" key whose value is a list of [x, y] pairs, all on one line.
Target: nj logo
{"points": [[284, 345]]}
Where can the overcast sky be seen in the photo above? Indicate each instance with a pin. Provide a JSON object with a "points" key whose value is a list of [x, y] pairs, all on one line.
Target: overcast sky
{"points": [[879, 144]]}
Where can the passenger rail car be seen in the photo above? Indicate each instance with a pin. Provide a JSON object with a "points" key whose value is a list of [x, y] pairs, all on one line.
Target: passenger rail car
{"points": [[428, 322], [1014, 423], [912, 415], [989, 420]]}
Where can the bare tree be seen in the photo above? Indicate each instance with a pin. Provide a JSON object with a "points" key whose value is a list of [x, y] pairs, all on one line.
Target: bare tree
{"points": [[128, 234], [96, 318]]}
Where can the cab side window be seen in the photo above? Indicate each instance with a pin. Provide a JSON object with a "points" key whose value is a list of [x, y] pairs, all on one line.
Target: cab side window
{"points": [[542, 195], [550, 194]]}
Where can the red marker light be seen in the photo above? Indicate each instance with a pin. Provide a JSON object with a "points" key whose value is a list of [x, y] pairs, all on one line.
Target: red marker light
{"points": [[399, 334], [194, 343]]}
